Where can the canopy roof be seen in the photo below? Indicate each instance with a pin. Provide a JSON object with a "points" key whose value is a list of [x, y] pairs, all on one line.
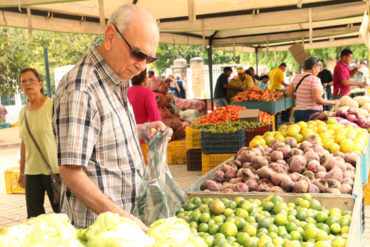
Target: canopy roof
{"points": [[233, 24]]}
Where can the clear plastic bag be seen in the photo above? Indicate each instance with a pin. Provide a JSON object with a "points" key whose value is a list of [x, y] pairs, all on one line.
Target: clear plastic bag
{"points": [[161, 196]]}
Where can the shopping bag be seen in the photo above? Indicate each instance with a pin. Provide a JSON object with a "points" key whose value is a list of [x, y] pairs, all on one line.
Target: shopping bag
{"points": [[161, 196]]}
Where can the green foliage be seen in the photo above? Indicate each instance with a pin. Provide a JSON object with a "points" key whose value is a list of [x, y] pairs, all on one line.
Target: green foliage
{"points": [[18, 50]]}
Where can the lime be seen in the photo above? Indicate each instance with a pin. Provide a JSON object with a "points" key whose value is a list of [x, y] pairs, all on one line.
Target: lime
{"points": [[347, 212], [278, 241], [217, 207], [204, 208], [345, 221], [273, 235], [228, 212], [295, 235], [218, 219], [241, 213], [335, 228], [345, 230], [322, 244], [273, 228], [229, 229], [219, 241], [315, 204], [193, 224], [307, 244], [195, 216], [231, 239], [331, 220], [322, 216], [219, 236], [301, 215], [321, 235], [225, 200], [203, 227], [324, 227], [230, 219], [251, 230], [300, 229], [238, 199], [292, 243], [241, 202], [251, 242], [290, 226], [189, 206], [196, 201], [307, 197], [209, 240], [309, 233], [247, 206], [276, 199], [282, 231], [280, 219], [264, 223], [298, 201], [267, 206], [213, 229], [304, 204], [240, 223], [292, 211], [338, 242], [232, 205], [204, 218], [180, 210], [308, 226], [310, 220], [287, 236], [180, 215], [241, 237], [250, 219], [280, 207]]}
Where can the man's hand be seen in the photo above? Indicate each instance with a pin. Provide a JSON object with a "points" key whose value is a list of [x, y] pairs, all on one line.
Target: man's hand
{"points": [[335, 102], [21, 180], [363, 84], [153, 127]]}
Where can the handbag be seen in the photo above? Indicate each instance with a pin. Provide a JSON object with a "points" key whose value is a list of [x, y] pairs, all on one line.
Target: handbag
{"points": [[54, 177], [161, 196]]}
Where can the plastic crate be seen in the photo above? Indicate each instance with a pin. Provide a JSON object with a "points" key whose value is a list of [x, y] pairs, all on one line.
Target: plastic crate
{"points": [[210, 161], [194, 160], [176, 152], [11, 181], [214, 143], [193, 138], [252, 132]]}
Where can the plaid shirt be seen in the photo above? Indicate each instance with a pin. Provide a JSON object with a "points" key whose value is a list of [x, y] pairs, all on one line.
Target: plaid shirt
{"points": [[95, 128]]}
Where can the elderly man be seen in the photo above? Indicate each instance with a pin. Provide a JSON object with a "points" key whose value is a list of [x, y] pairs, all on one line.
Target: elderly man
{"points": [[99, 154]]}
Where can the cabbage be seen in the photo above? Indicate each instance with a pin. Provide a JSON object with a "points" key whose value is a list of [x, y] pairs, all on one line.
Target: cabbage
{"points": [[174, 232], [112, 230], [44, 230], [347, 101]]}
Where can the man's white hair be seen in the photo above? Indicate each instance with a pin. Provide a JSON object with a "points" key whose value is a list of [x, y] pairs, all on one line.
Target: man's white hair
{"points": [[121, 17]]}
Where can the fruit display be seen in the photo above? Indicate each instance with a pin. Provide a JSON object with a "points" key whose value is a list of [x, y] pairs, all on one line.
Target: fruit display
{"points": [[332, 135], [265, 117], [271, 222], [286, 167], [257, 94], [108, 230], [221, 114], [227, 127]]}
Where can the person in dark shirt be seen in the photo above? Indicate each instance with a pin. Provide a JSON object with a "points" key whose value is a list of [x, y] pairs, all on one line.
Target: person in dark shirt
{"points": [[182, 86], [222, 85], [326, 78], [253, 74]]}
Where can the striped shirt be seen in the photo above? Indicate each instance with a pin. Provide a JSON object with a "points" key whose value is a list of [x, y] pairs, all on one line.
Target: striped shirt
{"points": [[95, 128], [303, 95]]}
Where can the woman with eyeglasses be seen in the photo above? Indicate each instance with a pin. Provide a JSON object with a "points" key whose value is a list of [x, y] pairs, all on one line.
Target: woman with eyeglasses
{"points": [[34, 173]]}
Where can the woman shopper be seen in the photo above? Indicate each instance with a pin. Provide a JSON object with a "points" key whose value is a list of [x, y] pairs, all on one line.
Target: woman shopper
{"points": [[34, 172], [307, 89], [143, 100]]}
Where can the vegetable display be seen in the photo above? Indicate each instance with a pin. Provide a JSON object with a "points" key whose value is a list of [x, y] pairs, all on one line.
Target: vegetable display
{"points": [[222, 114], [109, 230], [257, 94], [286, 167], [271, 222], [332, 135], [227, 127]]}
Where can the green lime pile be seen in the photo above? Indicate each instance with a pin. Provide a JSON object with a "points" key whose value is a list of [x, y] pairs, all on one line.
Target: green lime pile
{"points": [[227, 127], [268, 223]]}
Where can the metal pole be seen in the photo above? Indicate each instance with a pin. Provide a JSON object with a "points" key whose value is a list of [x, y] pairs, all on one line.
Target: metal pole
{"points": [[47, 71], [210, 71], [256, 49]]}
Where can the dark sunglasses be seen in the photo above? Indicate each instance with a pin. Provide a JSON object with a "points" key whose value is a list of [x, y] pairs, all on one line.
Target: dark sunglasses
{"points": [[136, 54]]}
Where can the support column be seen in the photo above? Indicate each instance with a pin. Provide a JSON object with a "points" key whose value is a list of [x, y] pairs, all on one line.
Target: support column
{"points": [[209, 49], [47, 72], [256, 50]]}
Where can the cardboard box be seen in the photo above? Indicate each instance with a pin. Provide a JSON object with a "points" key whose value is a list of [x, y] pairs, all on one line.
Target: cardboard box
{"points": [[250, 115], [298, 52]]}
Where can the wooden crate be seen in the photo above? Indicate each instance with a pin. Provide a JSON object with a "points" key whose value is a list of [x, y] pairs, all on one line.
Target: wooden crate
{"points": [[11, 181]]}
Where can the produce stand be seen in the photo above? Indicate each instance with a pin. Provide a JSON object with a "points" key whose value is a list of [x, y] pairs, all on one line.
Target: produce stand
{"points": [[353, 202], [273, 107]]}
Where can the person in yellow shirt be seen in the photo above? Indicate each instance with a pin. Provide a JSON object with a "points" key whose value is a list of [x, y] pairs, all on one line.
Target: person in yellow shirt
{"points": [[242, 81], [277, 77]]}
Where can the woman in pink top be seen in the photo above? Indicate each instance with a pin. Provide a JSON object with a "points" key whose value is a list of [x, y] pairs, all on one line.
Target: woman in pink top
{"points": [[143, 100], [307, 89]]}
